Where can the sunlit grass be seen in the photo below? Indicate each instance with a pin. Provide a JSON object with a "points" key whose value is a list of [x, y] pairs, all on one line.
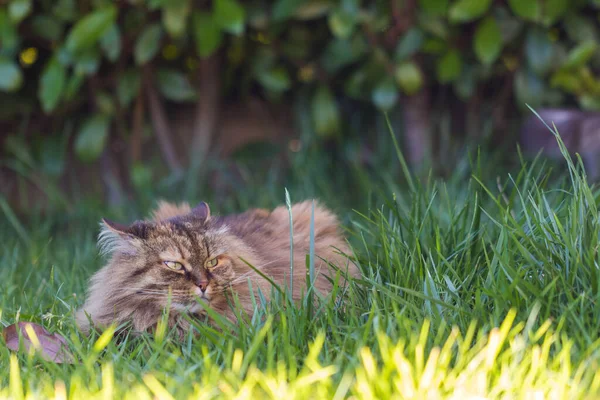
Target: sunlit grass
{"points": [[476, 287]]}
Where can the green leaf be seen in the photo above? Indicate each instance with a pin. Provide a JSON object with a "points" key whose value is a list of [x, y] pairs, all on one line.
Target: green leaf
{"points": [[73, 86], [92, 137], [488, 41], [174, 85], [589, 102], [141, 175], [325, 113], [105, 103], [207, 34], [529, 89], [449, 66], [283, 9], [527, 9], [128, 86], [464, 86], [11, 77], [435, 8], [52, 154], [385, 94], [147, 44], [18, 10], [539, 51], [580, 55], [581, 27], [88, 30], [342, 22], [310, 10], [175, 14], [229, 15], [111, 43], [567, 81], [468, 10], [9, 38], [52, 84], [342, 52], [276, 79], [411, 42], [47, 27], [65, 10], [88, 62], [553, 10], [409, 77]]}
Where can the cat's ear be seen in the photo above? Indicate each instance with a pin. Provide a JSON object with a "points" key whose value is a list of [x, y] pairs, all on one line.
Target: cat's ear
{"points": [[123, 238], [202, 211]]}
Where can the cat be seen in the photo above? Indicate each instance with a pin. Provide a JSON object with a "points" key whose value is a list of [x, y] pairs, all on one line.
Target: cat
{"points": [[185, 255]]}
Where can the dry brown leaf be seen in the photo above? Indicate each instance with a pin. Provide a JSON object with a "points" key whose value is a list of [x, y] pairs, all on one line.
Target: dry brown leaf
{"points": [[52, 346]]}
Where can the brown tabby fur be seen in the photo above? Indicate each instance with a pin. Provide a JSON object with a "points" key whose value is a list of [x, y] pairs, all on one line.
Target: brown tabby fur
{"points": [[136, 284]]}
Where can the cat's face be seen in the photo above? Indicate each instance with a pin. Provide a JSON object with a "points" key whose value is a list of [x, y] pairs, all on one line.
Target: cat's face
{"points": [[177, 262]]}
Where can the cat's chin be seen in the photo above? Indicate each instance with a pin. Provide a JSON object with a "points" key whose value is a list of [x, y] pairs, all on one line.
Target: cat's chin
{"points": [[197, 308], [193, 308]]}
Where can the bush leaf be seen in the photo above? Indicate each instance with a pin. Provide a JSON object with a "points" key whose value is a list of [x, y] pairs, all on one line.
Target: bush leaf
{"points": [[284, 9], [436, 8], [92, 137], [128, 86], [276, 79], [580, 54], [52, 84], [385, 94], [488, 41], [229, 15], [325, 113], [111, 42], [527, 9], [174, 85], [147, 44], [539, 51], [207, 34], [88, 30], [175, 16], [18, 10], [11, 77], [409, 77], [449, 66], [468, 10]]}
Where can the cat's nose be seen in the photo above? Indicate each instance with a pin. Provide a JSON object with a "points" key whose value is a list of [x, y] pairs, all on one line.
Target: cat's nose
{"points": [[202, 285]]}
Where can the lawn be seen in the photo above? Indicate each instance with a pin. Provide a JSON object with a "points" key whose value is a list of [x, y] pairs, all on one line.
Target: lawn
{"points": [[482, 285]]}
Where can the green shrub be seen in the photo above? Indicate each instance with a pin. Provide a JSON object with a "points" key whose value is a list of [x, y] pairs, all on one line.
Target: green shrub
{"points": [[83, 64]]}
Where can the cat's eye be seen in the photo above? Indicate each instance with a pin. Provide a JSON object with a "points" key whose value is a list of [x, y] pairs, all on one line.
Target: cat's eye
{"points": [[174, 265], [212, 263]]}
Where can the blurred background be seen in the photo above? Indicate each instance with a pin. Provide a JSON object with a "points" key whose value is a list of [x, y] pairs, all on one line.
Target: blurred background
{"points": [[120, 102]]}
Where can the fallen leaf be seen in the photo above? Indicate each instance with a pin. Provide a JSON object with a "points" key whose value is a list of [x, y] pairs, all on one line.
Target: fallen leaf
{"points": [[51, 346]]}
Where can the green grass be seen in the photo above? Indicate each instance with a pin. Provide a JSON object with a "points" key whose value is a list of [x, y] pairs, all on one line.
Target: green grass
{"points": [[484, 285]]}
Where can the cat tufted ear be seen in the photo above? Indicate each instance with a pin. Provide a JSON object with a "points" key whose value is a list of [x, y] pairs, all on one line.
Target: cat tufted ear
{"points": [[202, 211], [118, 237]]}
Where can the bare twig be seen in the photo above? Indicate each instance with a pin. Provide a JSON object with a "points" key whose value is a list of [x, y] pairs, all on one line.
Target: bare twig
{"points": [[137, 124], [417, 129], [161, 125], [207, 109], [109, 169]]}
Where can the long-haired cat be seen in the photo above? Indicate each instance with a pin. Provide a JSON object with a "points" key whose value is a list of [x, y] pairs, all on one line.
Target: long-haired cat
{"points": [[184, 255]]}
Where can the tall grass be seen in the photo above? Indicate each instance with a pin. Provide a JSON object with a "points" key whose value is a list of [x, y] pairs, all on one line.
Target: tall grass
{"points": [[477, 287]]}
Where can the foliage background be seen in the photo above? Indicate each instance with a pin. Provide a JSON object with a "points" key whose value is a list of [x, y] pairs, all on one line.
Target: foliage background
{"points": [[116, 96]]}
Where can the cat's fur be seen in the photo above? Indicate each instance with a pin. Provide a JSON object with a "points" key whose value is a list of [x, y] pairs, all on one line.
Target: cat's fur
{"points": [[136, 284]]}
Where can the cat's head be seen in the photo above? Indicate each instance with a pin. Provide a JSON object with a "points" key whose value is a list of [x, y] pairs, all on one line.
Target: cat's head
{"points": [[183, 259]]}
